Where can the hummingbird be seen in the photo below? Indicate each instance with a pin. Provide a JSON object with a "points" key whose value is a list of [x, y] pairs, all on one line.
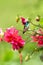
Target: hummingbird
{"points": [[25, 22], [26, 27]]}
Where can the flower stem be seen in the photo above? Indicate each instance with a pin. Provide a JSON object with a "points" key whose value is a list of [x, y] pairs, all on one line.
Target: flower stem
{"points": [[36, 25], [20, 55], [35, 32], [37, 50]]}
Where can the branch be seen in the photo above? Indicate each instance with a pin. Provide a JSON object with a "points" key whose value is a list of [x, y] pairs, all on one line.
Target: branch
{"points": [[36, 25], [35, 32]]}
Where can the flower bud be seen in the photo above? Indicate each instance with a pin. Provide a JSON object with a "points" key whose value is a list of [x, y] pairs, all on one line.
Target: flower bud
{"points": [[38, 18], [17, 19], [26, 58]]}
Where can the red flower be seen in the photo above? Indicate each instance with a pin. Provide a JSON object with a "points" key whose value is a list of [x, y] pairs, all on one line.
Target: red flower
{"points": [[38, 38], [35, 38], [11, 35], [40, 42]]}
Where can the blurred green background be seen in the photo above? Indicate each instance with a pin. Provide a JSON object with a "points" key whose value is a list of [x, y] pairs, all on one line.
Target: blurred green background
{"points": [[8, 12]]}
